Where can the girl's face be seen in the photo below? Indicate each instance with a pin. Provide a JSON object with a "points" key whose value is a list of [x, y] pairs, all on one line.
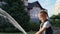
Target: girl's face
{"points": [[42, 16]]}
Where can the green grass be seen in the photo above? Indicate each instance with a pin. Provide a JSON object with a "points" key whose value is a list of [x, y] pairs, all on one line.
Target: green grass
{"points": [[20, 33], [31, 32], [10, 33]]}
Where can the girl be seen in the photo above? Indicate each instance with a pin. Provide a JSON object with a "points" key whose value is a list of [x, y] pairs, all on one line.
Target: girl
{"points": [[45, 27]]}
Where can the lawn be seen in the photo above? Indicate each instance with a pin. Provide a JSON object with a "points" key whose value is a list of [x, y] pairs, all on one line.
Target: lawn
{"points": [[19, 33], [31, 32], [27, 33]]}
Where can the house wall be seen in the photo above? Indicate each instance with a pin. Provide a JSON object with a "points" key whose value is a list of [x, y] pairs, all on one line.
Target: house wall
{"points": [[25, 2], [34, 13]]}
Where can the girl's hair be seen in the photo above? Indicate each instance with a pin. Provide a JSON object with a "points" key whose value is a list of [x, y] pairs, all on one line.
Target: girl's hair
{"points": [[44, 12]]}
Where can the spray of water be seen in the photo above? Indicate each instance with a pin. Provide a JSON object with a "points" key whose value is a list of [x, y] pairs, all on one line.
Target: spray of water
{"points": [[12, 21]]}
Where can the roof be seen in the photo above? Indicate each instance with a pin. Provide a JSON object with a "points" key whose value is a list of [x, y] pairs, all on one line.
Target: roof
{"points": [[34, 4]]}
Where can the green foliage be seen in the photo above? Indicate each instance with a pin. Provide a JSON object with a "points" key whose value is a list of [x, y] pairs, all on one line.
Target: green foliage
{"points": [[55, 22], [16, 9], [55, 16], [55, 19], [34, 26]]}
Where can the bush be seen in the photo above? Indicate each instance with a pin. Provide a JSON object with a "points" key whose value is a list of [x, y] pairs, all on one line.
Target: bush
{"points": [[55, 22], [16, 9], [34, 26]]}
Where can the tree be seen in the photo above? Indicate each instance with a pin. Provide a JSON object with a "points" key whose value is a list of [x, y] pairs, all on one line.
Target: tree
{"points": [[55, 16], [55, 19], [16, 9]]}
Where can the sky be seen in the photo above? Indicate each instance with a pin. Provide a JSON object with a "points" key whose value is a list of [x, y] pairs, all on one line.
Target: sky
{"points": [[47, 4]]}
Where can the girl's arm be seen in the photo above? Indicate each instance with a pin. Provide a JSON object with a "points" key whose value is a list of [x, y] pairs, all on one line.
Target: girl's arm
{"points": [[41, 30], [46, 25]]}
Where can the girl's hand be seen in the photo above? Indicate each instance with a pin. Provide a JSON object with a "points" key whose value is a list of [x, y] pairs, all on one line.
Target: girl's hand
{"points": [[37, 33]]}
